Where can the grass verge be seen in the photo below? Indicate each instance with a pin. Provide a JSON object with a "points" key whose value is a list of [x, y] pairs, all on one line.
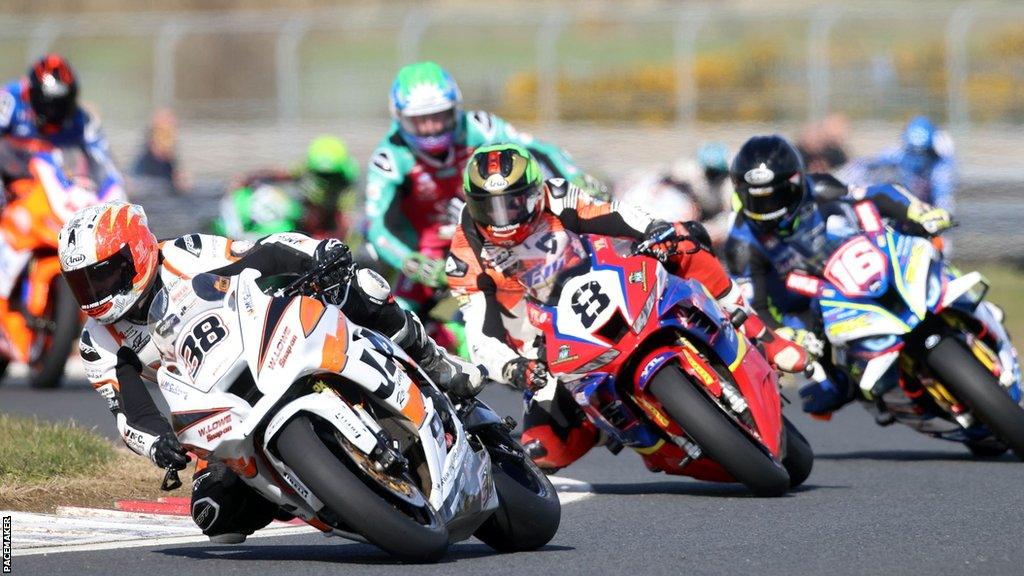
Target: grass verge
{"points": [[1007, 290], [45, 465]]}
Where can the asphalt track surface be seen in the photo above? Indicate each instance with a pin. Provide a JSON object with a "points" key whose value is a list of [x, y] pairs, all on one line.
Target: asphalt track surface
{"points": [[880, 500]]}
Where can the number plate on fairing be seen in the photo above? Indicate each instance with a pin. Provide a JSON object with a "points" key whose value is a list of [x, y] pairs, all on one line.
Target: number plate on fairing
{"points": [[858, 269], [587, 302]]}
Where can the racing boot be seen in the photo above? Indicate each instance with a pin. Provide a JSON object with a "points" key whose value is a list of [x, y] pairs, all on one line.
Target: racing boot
{"points": [[451, 373], [224, 507], [369, 302], [822, 395], [555, 431], [782, 353]]}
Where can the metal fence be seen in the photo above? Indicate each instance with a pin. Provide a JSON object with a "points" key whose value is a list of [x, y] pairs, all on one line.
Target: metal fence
{"points": [[963, 62]]}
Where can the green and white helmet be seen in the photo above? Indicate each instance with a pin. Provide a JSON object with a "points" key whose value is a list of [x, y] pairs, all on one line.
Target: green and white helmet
{"points": [[426, 101]]}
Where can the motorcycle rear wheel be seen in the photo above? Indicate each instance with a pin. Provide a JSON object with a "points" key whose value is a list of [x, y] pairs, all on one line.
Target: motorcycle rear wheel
{"points": [[47, 371], [355, 501], [529, 511], [973, 384], [717, 435]]}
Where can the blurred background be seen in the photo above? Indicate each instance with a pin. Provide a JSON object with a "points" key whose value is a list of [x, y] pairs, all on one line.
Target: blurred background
{"points": [[621, 85]]}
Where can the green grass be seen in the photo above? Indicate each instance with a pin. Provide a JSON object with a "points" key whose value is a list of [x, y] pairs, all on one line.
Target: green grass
{"points": [[1007, 290], [33, 450]]}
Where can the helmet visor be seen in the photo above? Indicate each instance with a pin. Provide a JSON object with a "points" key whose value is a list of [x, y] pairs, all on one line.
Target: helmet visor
{"points": [[504, 209], [771, 204], [97, 283], [428, 125]]}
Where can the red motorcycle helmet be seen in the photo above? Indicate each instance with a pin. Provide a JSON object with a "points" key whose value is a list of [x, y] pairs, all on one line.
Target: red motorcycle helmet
{"points": [[52, 92]]}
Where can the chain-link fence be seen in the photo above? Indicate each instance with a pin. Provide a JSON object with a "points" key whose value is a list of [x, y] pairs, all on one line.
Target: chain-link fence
{"points": [[620, 85], [957, 61]]}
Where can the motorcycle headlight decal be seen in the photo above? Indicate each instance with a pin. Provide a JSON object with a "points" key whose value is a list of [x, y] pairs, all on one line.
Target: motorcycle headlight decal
{"points": [[645, 312], [605, 357]]}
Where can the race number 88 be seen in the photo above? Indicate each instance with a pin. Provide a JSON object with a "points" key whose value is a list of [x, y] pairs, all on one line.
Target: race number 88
{"points": [[205, 335]]}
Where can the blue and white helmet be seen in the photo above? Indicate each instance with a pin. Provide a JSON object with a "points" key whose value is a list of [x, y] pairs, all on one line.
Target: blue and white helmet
{"points": [[421, 90]]}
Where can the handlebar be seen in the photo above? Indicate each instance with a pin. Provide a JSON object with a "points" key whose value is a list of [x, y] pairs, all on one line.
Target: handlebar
{"points": [[309, 281]]}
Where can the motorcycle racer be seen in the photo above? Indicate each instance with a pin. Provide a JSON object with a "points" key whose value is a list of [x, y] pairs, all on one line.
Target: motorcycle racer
{"points": [[413, 186], [114, 266], [515, 225], [690, 189], [924, 164], [315, 198], [785, 214], [44, 105]]}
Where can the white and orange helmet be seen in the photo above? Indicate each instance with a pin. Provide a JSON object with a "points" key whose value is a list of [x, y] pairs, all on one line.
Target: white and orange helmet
{"points": [[109, 257]]}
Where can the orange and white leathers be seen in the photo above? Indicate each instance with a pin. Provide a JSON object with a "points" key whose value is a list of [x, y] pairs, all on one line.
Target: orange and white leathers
{"points": [[488, 279], [212, 335], [38, 206]]}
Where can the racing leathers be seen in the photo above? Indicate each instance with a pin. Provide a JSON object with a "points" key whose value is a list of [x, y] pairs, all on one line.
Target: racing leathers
{"points": [[760, 263], [490, 282], [119, 356], [82, 130], [413, 199]]}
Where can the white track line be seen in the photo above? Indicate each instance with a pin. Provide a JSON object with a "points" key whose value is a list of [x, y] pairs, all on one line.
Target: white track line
{"points": [[74, 529]]}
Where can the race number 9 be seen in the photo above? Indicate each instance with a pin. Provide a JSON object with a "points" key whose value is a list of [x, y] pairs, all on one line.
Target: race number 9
{"points": [[589, 302]]}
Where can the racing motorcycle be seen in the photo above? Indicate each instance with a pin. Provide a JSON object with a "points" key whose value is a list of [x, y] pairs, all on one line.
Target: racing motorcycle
{"points": [[920, 341], [39, 319], [337, 425], [658, 366]]}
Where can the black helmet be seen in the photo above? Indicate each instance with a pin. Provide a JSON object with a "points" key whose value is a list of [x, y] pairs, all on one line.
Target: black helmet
{"points": [[768, 175], [52, 92]]}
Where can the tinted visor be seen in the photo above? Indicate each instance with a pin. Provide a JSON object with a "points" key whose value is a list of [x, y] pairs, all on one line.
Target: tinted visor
{"points": [[769, 205], [504, 209], [429, 124], [96, 283]]}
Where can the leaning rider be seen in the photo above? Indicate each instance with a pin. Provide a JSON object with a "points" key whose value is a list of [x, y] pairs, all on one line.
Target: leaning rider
{"points": [[114, 266], [413, 185], [513, 223], [784, 217]]}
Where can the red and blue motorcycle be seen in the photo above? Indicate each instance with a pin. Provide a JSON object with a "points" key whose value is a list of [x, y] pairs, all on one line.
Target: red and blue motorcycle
{"points": [[658, 366]]}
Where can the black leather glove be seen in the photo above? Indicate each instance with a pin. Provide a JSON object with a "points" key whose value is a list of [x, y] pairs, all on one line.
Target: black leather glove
{"points": [[663, 239], [334, 281], [526, 374], [167, 452]]}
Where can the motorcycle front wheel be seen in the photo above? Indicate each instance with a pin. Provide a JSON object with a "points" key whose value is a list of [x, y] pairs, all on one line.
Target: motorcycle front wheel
{"points": [[719, 438], [529, 511], [47, 370], [799, 458], [969, 381], [413, 535]]}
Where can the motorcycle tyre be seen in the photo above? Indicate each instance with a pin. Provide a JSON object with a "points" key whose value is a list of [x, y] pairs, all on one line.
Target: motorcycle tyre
{"points": [[349, 496], [527, 517], [48, 370], [969, 381], [717, 435], [799, 458]]}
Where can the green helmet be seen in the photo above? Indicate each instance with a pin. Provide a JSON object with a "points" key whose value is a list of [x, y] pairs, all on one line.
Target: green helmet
{"points": [[425, 101], [504, 192], [329, 169]]}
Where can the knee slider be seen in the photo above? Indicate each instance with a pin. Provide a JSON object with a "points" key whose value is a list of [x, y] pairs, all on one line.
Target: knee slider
{"points": [[373, 285]]}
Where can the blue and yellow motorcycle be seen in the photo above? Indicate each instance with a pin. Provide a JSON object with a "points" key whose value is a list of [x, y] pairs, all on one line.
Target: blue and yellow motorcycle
{"points": [[918, 337]]}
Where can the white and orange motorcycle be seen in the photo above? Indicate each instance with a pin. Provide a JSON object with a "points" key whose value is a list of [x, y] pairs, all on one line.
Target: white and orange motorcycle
{"points": [[335, 423]]}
